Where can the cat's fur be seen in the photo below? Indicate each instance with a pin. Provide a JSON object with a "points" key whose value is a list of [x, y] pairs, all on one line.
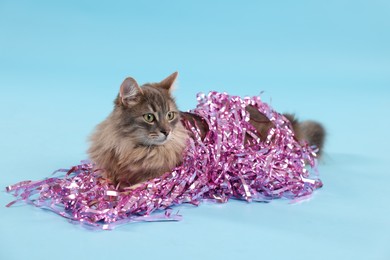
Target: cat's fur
{"points": [[310, 131], [131, 150]]}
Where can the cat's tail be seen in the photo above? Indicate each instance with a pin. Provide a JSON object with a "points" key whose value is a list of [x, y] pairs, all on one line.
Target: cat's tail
{"points": [[310, 131]]}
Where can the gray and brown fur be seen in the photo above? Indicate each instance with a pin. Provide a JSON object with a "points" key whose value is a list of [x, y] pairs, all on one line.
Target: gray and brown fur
{"points": [[310, 131]]}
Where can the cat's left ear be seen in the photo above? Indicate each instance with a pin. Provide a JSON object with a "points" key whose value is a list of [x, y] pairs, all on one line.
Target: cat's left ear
{"points": [[169, 82]]}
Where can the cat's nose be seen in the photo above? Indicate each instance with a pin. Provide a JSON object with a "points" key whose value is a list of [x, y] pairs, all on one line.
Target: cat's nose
{"points": [[165, 132]]}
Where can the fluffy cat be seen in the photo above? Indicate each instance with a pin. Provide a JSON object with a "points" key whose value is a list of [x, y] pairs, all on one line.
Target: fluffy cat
{"points": [[143, 137]]}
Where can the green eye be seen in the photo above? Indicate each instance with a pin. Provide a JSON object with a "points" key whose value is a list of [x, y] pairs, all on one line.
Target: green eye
{"points": [[149, 117], [171, 115]]}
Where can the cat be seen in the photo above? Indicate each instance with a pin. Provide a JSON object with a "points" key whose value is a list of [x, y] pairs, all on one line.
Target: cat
{"points": [[143, 137]]}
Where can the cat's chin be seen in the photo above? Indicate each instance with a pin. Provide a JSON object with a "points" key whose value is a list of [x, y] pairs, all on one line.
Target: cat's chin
{"points": [[156, 142]]}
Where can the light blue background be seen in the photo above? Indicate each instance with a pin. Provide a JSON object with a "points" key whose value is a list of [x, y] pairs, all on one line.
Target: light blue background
{"points": [[61, 64]]}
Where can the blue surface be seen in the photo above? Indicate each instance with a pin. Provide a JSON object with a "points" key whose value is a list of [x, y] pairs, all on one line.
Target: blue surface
{"points": [[60, 68]]}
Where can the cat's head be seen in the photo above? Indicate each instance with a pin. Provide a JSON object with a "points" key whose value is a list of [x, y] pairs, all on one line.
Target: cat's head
{"points": [[147, 114]]}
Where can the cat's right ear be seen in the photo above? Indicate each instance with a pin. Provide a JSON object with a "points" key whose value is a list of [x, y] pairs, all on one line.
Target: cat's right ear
{"points": [[129, 92]]}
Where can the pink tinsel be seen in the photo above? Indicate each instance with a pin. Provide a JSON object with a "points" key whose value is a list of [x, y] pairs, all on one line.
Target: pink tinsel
{"points": [[217, 168]]}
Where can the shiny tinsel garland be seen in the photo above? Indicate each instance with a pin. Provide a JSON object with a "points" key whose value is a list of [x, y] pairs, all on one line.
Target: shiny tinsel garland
{"points": [[219, 167]]}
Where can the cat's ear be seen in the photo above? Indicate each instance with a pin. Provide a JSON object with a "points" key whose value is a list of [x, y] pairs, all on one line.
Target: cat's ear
{"points": [[129, 91], [169, 82]]}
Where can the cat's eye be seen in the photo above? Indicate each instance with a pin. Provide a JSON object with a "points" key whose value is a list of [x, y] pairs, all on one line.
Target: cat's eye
{"points": [[149, 117], [171, 115]]}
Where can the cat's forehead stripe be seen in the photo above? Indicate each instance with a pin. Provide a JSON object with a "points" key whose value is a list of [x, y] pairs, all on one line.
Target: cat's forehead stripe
{"points": [[152, 107], [157, 100]]}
